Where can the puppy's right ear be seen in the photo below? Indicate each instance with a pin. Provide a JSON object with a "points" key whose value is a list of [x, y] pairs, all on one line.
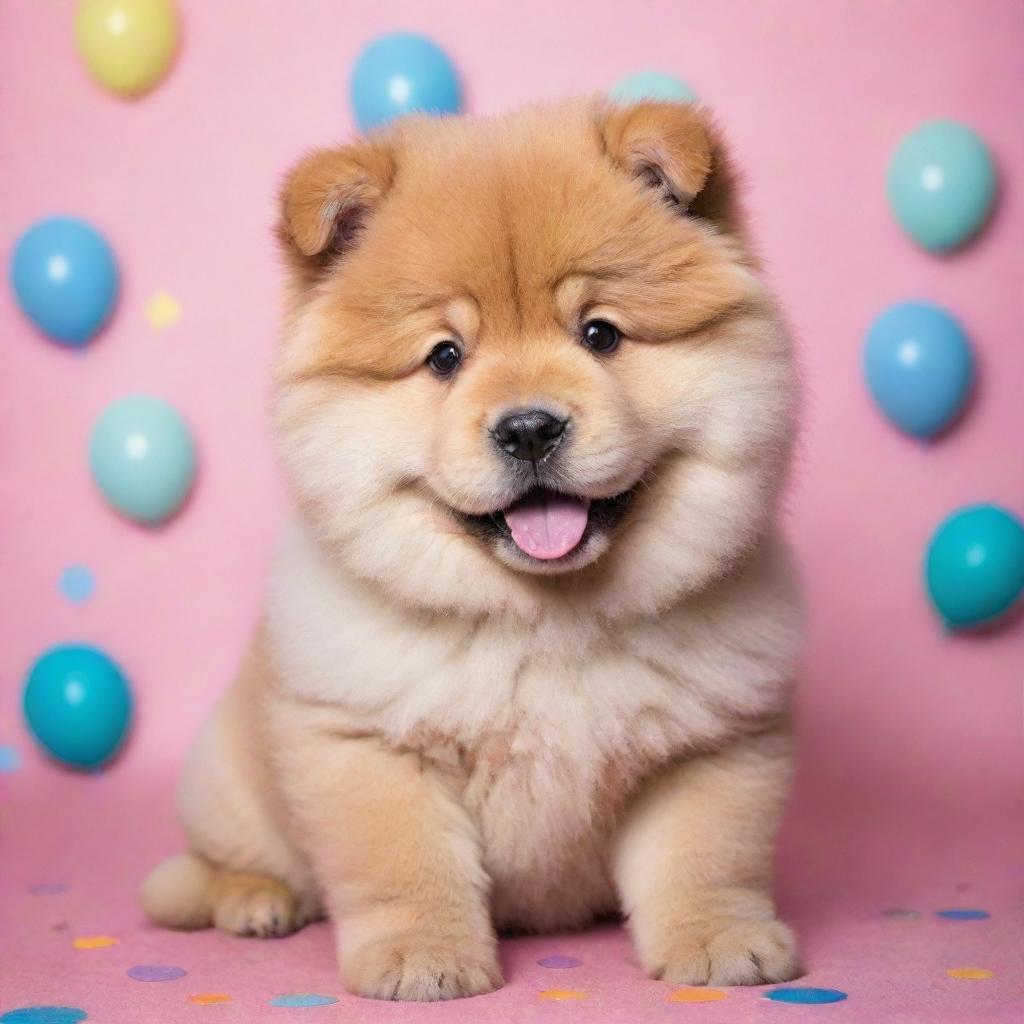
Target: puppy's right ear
{"points": [[327, 199]]}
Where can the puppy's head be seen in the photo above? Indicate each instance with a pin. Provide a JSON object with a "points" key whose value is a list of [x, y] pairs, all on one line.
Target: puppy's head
{"points": [[528, 359]]}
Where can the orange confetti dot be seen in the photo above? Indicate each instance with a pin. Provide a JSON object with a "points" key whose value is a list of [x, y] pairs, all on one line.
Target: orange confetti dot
{"points": [[971, 973], [563, 995], [697, 995], [94, 942], [209, 998]]}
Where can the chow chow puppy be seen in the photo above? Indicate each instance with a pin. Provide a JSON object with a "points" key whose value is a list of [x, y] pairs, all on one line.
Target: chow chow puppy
{"points": [[528, 646]]}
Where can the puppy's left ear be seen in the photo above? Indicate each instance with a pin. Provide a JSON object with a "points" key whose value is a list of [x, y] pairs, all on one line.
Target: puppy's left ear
{"points": [[676, 150]]}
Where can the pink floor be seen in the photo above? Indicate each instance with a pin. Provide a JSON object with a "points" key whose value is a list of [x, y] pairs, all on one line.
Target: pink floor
{"points": [[862, 885]]}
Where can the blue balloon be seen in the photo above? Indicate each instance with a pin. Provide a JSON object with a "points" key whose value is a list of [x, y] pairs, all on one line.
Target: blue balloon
{"points": [[143, 458], [919, 367], [652, 85], [974, 569], [65, 278], [399, 74], [941, 184], [78, 705]]}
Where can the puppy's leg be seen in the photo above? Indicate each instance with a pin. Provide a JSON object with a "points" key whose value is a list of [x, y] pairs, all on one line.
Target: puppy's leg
{"points": [[398, 862], [242, 874], [693, 863]]}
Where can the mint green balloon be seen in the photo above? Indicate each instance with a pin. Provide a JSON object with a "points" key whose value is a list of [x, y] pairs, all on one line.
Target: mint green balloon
{"points": [[652, 85], [975, 565], [941, 184], [143, 458]]}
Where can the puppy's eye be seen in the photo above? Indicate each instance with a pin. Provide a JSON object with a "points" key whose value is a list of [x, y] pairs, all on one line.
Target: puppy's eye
{"points": [[444, 359], [601, 337]]}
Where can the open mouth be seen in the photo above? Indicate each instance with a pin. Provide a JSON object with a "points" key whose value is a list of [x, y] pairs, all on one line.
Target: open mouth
{"points": [[546, 525]]}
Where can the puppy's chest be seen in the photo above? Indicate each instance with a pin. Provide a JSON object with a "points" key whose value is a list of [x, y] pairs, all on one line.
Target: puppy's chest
{"points": [[545, 745]]}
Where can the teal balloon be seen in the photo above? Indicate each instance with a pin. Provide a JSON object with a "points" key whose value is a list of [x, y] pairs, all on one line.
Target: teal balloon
{"points": [[652, 85], [143, 458], [941, 184], [78, 705], [975, 566], [919, 367]]}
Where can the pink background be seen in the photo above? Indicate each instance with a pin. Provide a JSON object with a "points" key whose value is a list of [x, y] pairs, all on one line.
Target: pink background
{"points": [[911, 768]]}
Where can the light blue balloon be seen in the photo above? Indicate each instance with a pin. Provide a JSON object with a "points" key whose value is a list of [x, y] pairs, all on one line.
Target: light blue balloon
{"points": [[941, 184], [652, 85], [65, 278], [78, 705], [975, 565], [399, 74], [919, 367], [143, 458]]}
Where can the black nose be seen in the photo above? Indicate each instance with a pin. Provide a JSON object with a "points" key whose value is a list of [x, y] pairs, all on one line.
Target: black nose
{"points": [[531, 435]]}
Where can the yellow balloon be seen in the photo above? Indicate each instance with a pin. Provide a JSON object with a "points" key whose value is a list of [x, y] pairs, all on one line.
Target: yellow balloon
{"points": [[127, 45]]}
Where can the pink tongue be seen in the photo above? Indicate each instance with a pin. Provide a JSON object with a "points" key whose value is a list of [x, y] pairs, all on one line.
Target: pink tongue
{"points": [[547, 525]]}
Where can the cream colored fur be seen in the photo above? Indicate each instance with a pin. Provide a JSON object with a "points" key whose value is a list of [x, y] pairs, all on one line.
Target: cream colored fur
{"points": [[429, 740]]}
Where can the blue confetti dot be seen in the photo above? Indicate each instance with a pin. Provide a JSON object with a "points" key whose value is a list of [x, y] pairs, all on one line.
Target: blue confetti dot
{"points": [[44, 1015], [9, 759], [77, 583], [964, 915], [302, 999], [805, 995], [560, 962]]}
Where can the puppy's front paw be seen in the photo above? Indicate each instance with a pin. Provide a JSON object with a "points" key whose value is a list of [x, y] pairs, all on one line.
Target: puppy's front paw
{"points": [[419, 967], [728, 942]]}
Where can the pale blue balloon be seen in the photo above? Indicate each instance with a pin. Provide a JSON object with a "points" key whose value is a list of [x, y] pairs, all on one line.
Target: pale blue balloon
{"points": [[143, 458], [919, 367], [400, 74], [941, 184], [652, 85], [65, 279]]}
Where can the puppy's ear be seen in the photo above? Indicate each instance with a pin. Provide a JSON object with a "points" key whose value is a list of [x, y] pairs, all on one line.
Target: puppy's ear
{"points": [[327, 199], [674, 149]]}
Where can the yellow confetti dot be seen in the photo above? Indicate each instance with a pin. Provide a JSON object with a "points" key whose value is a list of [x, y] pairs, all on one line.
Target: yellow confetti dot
{"points": [[971, 973], [696, 995], [162, 311], [209, 998], [563, 995], [94, 942]]}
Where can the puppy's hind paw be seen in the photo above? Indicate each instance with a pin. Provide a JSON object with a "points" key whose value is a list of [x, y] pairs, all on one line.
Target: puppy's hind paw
{"points": [[254, 905]]}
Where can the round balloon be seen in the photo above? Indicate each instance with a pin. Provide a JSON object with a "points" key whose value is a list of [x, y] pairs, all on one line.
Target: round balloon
{"points": [[941, 184], [78, 705], [399, 74], [975, 565], [919, 367], [127, 45], [143, 458], [652, 85], [65, 279]]}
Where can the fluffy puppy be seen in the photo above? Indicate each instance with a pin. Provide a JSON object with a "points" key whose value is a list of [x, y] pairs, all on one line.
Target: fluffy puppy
{"points": [[527, 650]]}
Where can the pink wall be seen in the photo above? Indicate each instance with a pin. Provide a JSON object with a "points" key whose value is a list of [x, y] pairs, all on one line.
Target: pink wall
{"points": [[815, 94]]}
